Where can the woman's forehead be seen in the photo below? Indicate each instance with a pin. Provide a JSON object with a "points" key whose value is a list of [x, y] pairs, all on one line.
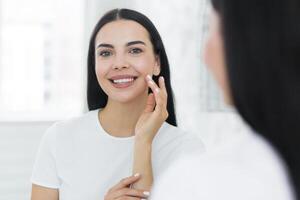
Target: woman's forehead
{"points": [[122, 31]]}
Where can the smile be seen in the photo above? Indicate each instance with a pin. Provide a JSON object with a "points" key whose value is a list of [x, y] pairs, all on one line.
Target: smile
{"points": [[122, 81], [125, 80]]}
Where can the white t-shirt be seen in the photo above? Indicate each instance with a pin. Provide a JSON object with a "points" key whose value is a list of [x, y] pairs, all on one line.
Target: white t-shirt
{"points": [[246, 168], [83, 161]]}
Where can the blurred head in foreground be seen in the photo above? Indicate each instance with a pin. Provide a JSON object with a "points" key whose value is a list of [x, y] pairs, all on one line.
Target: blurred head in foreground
{"points": [[253, 51]]}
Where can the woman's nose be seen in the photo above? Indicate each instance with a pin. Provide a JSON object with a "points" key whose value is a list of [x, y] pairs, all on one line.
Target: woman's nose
{"points": [[120, 63]]}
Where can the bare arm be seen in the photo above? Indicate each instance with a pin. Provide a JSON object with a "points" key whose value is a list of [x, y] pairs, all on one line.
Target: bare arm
{"points": [[43, 193], [147, 127], [142, 164]]}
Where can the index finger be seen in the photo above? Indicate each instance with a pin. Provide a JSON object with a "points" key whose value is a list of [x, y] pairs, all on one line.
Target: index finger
{"points": [[125, 182], [162, 85]]}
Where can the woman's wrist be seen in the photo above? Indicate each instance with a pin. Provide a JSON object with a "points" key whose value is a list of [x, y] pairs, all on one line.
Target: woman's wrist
{"points": [[143, 141]]}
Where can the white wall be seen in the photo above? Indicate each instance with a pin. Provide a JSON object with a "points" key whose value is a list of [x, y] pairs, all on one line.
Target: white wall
{"points": [[18, 144]]}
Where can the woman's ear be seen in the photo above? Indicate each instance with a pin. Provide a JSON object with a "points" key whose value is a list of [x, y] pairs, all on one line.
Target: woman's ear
{"points": [[156, 70]]}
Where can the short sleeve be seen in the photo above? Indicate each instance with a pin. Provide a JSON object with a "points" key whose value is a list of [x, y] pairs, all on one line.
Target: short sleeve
{"points": [[45, 168]]}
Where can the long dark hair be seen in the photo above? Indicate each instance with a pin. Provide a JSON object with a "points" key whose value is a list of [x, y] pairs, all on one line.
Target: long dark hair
{"points": [[262, 47], [96, 98]]}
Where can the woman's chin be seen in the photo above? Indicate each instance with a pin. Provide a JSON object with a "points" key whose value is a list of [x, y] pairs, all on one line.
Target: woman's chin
{"points": [[126, 98]]}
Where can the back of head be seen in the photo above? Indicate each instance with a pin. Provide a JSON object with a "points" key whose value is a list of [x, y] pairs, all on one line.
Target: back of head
{"points": [[262, 47]]}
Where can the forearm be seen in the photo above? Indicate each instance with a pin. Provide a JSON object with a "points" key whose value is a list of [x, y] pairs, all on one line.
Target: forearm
{"points": [[142, 164], [40, 192]]}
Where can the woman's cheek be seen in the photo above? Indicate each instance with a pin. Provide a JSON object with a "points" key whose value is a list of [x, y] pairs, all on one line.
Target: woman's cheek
{"points": [[100, 73], [207, 55], [144, 68], [215, 60]]}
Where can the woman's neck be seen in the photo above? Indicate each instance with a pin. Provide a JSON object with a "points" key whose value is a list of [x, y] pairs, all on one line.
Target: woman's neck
{"points": [[119, 119]]}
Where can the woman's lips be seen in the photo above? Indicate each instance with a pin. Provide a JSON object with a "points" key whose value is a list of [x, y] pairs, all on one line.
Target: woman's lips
{"points": [[122, 81]]}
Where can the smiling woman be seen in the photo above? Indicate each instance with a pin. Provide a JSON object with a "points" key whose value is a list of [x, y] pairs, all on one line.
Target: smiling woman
{"points": [[130, 54], [147, 34], [131, 125]]}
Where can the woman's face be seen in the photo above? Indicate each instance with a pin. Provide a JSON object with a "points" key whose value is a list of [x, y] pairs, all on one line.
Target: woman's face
{"points": [[214, 56], [124, 57]]}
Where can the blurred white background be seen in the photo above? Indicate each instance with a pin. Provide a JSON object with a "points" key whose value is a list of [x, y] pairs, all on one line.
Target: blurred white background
{"points": [[43, 49]]}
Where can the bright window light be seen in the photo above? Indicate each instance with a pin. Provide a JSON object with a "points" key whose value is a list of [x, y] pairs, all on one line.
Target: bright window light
{"points": [[41, 59]]}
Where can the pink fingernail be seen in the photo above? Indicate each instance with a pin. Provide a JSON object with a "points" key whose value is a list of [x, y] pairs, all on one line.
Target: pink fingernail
{"points": [[137, 174], [157, 90]]}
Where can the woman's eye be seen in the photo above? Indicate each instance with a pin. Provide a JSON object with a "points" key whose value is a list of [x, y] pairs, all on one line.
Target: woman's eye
{"points": [[135, 51], [104, 53]]}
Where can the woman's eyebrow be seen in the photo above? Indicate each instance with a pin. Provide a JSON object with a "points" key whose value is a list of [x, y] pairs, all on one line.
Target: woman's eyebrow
{"points": [[135, 42], [105, 45], [128, 44]]}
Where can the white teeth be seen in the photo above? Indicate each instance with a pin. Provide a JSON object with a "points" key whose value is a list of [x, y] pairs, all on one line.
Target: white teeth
{"points": [[125, 80]]}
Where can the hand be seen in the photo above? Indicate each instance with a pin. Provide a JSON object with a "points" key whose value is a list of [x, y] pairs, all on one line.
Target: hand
{"points": [[155, 112], [122, 190]]}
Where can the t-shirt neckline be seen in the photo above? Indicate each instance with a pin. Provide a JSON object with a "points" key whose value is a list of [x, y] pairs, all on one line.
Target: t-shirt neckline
{"points": [[105, 134]]}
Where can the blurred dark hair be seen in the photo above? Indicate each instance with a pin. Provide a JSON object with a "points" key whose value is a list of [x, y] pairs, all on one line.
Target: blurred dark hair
{"points": [[262, 48], [96, 97]]}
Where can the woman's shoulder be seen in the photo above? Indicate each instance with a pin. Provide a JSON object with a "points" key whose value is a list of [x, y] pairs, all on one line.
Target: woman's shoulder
{"points": [[215, 178], [72, 125], [255, 151], [249, 168], [249, 152]]}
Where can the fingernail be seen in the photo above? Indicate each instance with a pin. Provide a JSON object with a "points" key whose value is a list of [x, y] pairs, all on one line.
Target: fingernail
{"points": [[157, 90], [137, 174], [143, 199], [151, 82], [146, 193], [149, 77], [162, 78]]}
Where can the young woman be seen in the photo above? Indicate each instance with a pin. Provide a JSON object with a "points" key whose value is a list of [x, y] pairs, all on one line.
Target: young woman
{"points": [[131, 126], [253, 52]]}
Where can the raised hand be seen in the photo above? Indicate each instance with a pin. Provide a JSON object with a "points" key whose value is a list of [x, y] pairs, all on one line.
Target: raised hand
{"points": [[155, 112]]}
